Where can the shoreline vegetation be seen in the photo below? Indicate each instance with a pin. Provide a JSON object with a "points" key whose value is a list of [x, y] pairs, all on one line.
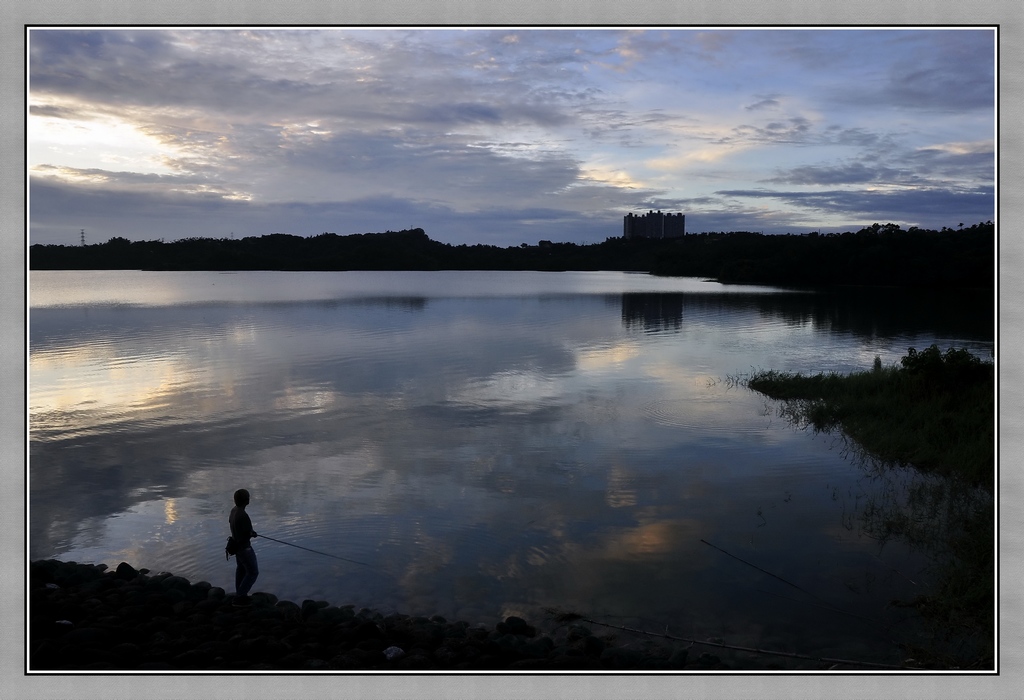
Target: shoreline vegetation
{"points": [[877, 255], [935, 412]]}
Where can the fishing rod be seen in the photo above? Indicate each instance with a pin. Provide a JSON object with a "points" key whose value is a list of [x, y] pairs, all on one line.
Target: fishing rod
{"points": [[315, 551]]}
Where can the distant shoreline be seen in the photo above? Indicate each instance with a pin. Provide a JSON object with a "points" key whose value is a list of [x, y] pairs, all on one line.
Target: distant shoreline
{"points": [[874, 256]]}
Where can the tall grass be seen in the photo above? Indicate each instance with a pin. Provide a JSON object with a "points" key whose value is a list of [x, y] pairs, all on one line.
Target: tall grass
{"points": [[936, 411]]}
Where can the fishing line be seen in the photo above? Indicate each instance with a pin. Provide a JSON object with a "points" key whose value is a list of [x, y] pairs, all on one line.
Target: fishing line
{"points": [[315, 551], [788, 583]]}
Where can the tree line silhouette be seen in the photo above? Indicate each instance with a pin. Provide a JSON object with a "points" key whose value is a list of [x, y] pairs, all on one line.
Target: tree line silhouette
{"points": [[876, 255]]}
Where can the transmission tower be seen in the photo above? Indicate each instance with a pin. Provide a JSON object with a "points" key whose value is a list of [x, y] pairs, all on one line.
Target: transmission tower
{"points": [[83, 236]]}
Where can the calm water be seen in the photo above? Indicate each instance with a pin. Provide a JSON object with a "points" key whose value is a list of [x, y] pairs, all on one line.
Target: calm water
{"points": [[485, 443]]}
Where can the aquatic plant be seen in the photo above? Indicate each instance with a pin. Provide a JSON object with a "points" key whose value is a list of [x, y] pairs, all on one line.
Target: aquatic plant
{"points": [[936, 411]]}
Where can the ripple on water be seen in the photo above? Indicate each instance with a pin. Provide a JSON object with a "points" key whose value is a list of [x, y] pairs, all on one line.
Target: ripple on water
{"points": [[703, 414]]}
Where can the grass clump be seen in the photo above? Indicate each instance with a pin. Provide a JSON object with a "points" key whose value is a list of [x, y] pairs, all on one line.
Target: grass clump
{"points": [[935, 411]]}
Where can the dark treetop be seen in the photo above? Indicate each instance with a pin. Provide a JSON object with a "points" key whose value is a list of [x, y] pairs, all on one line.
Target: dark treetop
{"points": [[876, 255]]}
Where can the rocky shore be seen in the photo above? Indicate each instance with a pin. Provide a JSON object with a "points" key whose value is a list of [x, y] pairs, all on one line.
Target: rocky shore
{"points": [[84, 617]]}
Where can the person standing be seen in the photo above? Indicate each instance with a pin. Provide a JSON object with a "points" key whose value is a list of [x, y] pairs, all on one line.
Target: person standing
{"points": [[246, 568]]}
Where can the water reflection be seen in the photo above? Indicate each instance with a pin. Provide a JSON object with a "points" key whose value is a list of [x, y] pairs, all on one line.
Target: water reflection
{"points": [[652, 312], [966, 315], [486, 453]]}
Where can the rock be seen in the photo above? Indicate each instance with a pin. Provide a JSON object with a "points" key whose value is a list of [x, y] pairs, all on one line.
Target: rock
{"points": [[87, 637], [343, 662], [415, 662], [289, 608], [517, 626], [593, 646], [293, 660], [539, 648], [678, 658], [367, 629], [367, 658], [97, 585], [265, 599], [311, 607], [576, 632], [125, 572], [617, 658], [706, 660], [177, 583], [510, 643], [393, 653], [128, 652], [446, 656]]}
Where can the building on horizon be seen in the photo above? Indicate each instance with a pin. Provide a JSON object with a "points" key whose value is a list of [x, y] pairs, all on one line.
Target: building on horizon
{"points": [[654, 224]]}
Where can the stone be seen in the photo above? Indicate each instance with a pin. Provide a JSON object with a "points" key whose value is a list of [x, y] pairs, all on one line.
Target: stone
{"points": [[177, 583], [446, 656], [515, 625], [577, 632], [706, 660], [367, 629], [311, 607], [678, 658], [288, 608], [617, 658], [539, 648], [265, 599], [87, 637], [593, 646], [415, 662], [125, 571]]}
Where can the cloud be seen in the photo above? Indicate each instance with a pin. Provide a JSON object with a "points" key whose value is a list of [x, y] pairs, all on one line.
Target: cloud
{"points": [[570, 127], [932, 166], [765, 102], [925, 207], [850, 173], [792, 130], [956, 161], [928, 71]]}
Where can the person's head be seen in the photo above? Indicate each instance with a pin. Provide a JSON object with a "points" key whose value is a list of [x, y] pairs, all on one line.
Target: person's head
{"points": [[241, 498]]}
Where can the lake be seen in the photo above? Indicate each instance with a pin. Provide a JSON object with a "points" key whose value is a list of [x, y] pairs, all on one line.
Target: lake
{"points": [[483, 444]]}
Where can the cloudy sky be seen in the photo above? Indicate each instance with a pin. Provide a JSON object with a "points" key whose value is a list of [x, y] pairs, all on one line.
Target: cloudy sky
{"points": [[505, 135]]}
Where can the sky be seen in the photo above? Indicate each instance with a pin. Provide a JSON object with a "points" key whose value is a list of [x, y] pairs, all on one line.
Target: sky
{"points": [[505, 135]]}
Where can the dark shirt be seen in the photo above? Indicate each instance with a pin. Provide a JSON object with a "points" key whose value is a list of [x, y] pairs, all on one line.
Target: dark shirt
{"points": [[241, 527]]}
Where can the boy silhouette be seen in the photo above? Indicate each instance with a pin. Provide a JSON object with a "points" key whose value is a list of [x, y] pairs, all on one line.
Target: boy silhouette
{"points": [[246, 568]]}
